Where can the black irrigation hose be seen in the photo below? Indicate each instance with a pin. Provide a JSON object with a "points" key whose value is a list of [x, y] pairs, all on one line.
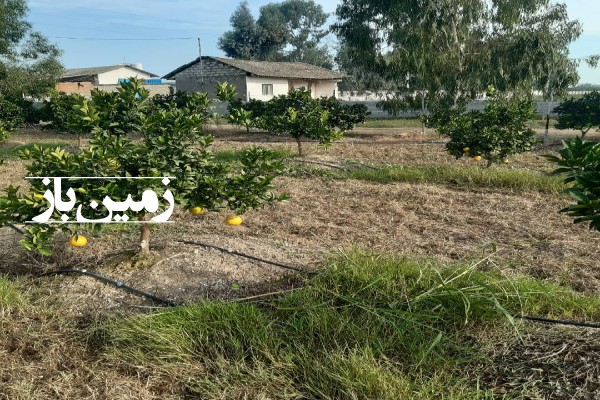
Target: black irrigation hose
{"points": [[118, 284], [169, 303], [16, 228], [558, 321], [237, 253]]}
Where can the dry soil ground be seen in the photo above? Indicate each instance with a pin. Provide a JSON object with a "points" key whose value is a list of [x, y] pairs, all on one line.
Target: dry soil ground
{"points": [[322, 216]]}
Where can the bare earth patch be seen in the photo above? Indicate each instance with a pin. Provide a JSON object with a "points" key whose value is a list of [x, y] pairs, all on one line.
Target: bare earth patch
{"points": [[322, 217]]}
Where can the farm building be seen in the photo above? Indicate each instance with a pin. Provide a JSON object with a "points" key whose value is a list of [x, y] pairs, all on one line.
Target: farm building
{"points": [[82, 80], [259, 80]]}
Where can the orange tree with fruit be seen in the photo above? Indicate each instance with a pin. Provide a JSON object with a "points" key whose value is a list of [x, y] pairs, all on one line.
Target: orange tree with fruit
{"points": [[173, 144], [493, 135]]}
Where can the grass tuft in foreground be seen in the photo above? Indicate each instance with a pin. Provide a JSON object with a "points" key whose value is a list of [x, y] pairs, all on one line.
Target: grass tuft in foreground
{"points": [[11, 297], [368, 326], [461, 176]]}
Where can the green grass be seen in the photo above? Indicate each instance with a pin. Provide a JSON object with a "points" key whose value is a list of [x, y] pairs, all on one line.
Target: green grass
{"points": [[369, 326], [461, 176], [392, 123], [13, 152], [11, 297]]}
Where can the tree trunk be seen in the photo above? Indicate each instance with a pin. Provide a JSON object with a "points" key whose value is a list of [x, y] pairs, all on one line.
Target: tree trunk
{"points": [[144, 238], [583, 133], [79, 141], [300, 153], [423, 129], [547, 130], [489, 163]]}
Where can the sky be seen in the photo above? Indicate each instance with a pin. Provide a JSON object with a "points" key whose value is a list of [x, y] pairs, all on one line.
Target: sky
{"points": [[77, 26]]}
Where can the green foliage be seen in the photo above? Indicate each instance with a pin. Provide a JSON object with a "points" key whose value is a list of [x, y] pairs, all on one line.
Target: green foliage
{"points": [[288, 31], [60, 110], [300, 116], [580, 161], [3, 132], [369, 326], [194, 103], [29, 64], [342, 116], [173, 144], [241, 117], [452, 49], [14, 152], [494, 134], [11, 114], [581, 114]]}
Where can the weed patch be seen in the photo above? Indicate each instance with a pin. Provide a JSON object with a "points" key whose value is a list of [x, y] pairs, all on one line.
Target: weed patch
{"points": [[368, 326], [467, 177]]}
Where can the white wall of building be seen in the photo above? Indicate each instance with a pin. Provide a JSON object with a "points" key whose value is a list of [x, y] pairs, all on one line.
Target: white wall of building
{"points": [[112, 77], [299, 85], [254, 87], [325, 88]]}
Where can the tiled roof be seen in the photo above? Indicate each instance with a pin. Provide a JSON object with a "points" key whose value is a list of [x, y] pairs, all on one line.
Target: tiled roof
{"points": [[271, 69]]}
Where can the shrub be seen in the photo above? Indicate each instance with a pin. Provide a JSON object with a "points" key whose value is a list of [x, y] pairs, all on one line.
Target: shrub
{"points": [[301, 116], [343, 116], [11, 114], [195, 103], [581, 114], [173, 144], [324, 119], [580, 161], [494, 134]]}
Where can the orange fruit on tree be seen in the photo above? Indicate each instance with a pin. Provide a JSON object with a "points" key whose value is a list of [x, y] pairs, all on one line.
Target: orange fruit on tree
{"points": [[197, 210], [234, 220], [477, 158], [78, 241]]}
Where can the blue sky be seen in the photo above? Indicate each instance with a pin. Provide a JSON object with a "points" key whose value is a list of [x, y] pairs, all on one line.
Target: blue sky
{"points": [[145, 19]]}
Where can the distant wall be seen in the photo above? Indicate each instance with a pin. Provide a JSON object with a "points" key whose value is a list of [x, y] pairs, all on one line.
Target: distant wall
{"points": [[75, 87], [541, 107]]}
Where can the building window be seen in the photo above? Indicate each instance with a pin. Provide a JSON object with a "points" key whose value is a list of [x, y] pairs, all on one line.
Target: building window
{"points": [[267, 89]]}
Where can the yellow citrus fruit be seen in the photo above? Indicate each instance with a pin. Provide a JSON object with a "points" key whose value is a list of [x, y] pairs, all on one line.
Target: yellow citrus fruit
{"points": [[466, 149], [196, 210], [78, 241], [234, 220], [39, 196], [505, 161], [477, 158]]}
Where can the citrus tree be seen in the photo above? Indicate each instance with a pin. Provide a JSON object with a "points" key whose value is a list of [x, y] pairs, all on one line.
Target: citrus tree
{"points": [[173, 145], [580, 161], [300, 116], [581, 114], [494, 134]]}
